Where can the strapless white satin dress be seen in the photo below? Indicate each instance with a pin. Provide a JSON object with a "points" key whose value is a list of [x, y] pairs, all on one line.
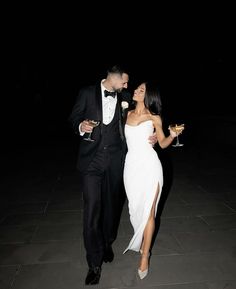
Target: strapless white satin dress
{"points": [[142, 175]]}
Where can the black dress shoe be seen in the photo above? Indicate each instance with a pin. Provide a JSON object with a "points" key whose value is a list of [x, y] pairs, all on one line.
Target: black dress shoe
{"points": [[108, 254], [93, 276]]}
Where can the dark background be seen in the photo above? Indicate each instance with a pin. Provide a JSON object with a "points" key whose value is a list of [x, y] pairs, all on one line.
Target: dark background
{"points": [[51, 52]]}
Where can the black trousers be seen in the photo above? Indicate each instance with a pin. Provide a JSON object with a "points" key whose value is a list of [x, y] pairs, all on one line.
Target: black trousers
{"points": [[103, 197]]}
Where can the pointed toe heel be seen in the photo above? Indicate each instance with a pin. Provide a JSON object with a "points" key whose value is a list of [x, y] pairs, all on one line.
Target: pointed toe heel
{"points": [[142, 274]]}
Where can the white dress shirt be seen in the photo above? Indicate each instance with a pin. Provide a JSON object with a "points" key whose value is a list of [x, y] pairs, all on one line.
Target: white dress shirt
{"points": [[108, 107]]}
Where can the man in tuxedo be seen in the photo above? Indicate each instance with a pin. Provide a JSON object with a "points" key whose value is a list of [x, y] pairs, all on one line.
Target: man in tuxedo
{"points": [[100, 163]]}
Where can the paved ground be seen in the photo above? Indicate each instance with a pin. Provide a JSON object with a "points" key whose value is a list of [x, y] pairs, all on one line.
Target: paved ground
{"points": [[41, 243]]}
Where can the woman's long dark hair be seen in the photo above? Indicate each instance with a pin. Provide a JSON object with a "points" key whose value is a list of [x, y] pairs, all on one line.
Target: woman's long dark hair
{"points": [[152, 99]]}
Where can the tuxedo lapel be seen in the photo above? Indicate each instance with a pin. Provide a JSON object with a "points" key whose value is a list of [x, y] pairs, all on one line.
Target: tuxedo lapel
{"points": [[98, 103], [121, 118]]}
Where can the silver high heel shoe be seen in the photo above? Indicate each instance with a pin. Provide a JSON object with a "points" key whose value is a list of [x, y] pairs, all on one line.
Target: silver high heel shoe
{"points": [[143, 274]]}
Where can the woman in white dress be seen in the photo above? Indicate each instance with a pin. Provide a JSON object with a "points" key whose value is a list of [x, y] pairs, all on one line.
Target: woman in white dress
{"points": [[143, 176]]}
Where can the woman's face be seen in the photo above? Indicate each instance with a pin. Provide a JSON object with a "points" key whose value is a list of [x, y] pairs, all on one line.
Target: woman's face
{"points": [[139, 93]]}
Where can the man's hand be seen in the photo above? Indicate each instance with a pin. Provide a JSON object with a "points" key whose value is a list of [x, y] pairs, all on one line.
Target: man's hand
{"points": [[153, 139], [85, 126]]}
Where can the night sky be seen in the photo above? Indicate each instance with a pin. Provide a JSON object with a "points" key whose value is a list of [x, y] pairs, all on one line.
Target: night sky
{"points": [[50, 54]]}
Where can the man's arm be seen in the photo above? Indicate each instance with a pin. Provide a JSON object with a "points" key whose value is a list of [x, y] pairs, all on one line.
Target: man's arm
{"points": [[77, 114]]}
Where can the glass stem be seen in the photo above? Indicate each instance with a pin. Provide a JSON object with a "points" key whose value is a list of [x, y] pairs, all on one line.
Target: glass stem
{"points": [[177, 140]]}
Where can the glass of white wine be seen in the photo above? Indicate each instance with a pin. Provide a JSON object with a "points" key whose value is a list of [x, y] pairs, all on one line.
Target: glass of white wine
{"points": [[93, 123], [177, 128]]}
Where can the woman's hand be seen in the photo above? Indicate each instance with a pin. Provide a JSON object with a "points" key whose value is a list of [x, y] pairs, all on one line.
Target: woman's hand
{"points": [[174, 131]]}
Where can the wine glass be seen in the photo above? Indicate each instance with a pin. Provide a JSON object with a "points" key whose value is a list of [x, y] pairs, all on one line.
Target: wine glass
{"points": [[93, 123], [177, 128]]}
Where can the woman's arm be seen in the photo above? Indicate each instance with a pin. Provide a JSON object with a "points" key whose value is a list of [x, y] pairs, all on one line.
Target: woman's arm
{"points": [[163, 141]]}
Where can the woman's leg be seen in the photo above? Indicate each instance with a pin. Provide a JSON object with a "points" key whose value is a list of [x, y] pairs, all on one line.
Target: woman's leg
{"points": [[147, 236]]}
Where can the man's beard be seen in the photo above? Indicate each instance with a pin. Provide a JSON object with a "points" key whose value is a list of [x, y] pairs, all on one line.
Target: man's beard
{"points": [[118, 90]]}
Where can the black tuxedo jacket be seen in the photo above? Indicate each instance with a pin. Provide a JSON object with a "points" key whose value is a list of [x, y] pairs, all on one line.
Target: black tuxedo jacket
{"points": [[88, 105]]}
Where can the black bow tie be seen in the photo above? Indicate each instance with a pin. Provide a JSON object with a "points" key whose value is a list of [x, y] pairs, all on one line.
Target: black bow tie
{"points": [[111, 93]]}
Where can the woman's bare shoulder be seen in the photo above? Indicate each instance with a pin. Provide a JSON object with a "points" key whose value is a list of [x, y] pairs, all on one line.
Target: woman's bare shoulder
{"points": [[156, 119]]}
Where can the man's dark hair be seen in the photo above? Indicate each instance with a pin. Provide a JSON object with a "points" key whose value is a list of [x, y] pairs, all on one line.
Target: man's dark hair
{"points": [[118, 69]]}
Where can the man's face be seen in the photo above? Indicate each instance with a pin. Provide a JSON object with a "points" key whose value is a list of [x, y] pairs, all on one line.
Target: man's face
{"points": [[120, 82]]}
